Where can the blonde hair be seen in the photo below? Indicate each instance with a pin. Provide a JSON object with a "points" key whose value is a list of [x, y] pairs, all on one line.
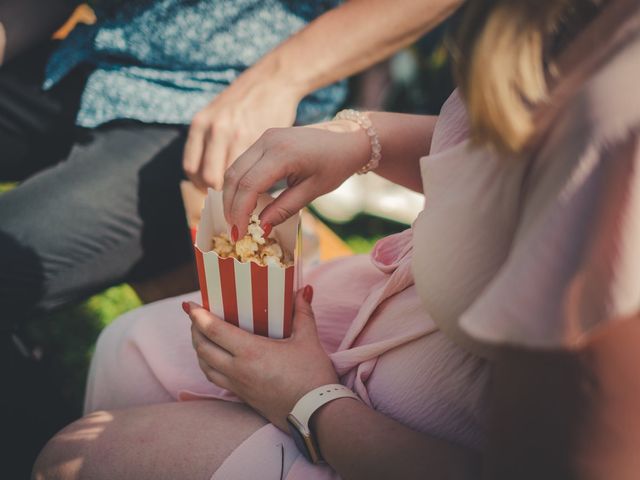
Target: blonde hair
{"points": [[502, 52]]}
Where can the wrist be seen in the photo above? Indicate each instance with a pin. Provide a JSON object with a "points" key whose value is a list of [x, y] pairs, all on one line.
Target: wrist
{"points": [[364, 122], [271, 75], [359, 146], [300, 417]]}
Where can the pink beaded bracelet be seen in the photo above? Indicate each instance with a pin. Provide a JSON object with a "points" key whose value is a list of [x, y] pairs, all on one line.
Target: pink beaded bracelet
{"points": [[365, 123]]}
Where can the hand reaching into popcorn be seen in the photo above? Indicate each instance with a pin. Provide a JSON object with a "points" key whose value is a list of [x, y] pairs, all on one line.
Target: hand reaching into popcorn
{"points": [[315, 160]]}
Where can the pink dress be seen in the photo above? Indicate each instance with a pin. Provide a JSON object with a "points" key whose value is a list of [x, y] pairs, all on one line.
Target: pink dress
{"points": [[539, 252]]}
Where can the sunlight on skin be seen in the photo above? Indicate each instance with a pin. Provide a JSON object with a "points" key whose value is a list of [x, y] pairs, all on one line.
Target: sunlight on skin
{"points": [[73, 465], [3, 42], [71, 438], [95, 424]]}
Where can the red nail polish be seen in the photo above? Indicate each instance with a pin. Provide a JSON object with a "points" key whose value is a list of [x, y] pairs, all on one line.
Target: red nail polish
{"points": [[234, 233], [307, 293], [267, 229], [186, 307]]}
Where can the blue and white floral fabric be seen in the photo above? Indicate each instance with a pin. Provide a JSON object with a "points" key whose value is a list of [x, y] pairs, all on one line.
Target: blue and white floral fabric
{"points": [[160, 61]]}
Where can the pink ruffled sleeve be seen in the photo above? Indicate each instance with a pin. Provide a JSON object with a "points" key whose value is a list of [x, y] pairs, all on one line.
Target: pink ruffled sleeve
{"points": [[574, 265]]}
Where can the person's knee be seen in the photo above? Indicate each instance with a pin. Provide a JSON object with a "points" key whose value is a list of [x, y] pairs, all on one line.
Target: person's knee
{"points": [[119, 374], [112, 340], [104, 367], [66, 455]]}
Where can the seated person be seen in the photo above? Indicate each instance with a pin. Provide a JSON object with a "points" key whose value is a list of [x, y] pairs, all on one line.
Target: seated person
{"points": [[499, 333]]}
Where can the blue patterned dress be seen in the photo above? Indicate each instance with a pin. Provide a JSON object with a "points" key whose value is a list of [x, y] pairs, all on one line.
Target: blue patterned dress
{"points": [[161, 61]]}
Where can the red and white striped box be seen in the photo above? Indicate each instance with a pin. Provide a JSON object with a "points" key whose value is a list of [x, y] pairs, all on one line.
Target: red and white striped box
{"points": [[256, 298]]}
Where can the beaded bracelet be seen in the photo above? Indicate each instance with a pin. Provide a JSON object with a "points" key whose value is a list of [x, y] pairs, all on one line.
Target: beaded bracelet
{"points": [[365, 123]]}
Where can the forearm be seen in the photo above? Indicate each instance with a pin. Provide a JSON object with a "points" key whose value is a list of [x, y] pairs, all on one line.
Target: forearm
{"points": [[360, 443], [23, 23], [346, 40], [404, 139]]}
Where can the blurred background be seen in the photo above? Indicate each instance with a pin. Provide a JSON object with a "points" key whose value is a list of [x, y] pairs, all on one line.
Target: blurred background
{"points": [[364, 209]]}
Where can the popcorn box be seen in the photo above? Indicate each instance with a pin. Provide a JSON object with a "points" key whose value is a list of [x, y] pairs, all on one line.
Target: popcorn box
{"points": [[256, 298]]}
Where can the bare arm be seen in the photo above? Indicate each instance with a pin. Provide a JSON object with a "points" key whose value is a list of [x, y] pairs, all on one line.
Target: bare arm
{"points": [[339, 43], [23, 23], [346, 40], [404, 139], [348, 430]]}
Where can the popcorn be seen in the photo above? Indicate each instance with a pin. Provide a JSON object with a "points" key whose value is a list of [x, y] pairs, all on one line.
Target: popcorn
{"points": [[222, 245], [255, 230], [271, 261], [253, 247], [245, 248], [271, 249]]}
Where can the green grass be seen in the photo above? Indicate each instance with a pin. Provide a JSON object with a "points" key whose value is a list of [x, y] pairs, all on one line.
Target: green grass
{"points": [[6, 186], [67, 338], [360, 244]]}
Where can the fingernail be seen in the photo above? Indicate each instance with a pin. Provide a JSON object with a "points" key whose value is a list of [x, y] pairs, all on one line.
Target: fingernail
{"points": [[307, 293], [186, 307], [234, 233], [267, 229]]}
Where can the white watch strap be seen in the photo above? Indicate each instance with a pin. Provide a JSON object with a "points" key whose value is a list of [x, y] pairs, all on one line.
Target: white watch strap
{"points": [[312, 401]]}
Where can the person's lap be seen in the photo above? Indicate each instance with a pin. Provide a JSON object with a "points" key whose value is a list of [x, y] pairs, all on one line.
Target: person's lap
{"points": [[111, 211], [143, 360], [145, 357]]}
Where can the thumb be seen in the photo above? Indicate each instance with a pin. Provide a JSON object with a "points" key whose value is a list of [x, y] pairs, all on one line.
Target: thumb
{"points": [[304, 323]]}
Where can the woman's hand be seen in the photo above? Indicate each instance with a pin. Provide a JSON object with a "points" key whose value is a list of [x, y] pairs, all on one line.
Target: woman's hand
{"points": [[314, 160], [228, 125], [270, 375]]}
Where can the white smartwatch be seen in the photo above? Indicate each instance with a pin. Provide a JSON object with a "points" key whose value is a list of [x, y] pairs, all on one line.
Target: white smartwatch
{"points": [[304, 409]]}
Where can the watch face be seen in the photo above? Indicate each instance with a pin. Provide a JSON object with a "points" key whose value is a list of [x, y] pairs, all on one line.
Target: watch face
{"points": [[299, 440]]}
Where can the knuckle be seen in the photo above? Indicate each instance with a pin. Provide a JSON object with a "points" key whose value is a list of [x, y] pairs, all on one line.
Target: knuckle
{"points": [[220, 127], [190, 168], [200, 121], [209, 178], [246, 183], [270, 133], [243, 376], [283, 212], [211, 330], [252, 354], [203, 366], [230, 176], [199, 348]]}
